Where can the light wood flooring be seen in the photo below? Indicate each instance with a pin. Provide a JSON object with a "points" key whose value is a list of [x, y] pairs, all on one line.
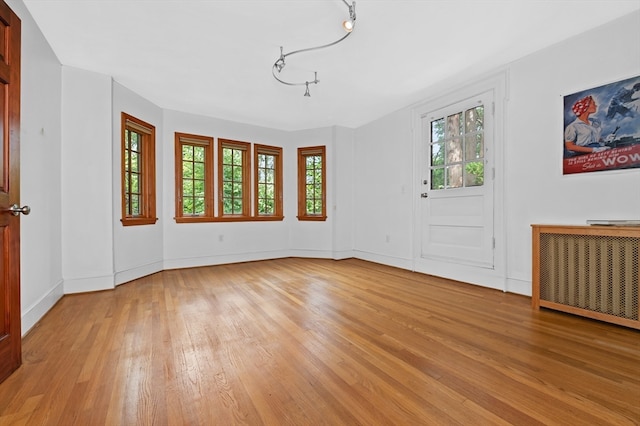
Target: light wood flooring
{"points": [[318, 342]]}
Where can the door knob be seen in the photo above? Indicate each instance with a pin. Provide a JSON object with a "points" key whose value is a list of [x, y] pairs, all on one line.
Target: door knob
{"points": [[16, 210], [424, 195]]}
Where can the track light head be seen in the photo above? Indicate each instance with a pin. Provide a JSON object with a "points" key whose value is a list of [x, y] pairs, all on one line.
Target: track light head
{"points": [[350, 23], [280, 62]]}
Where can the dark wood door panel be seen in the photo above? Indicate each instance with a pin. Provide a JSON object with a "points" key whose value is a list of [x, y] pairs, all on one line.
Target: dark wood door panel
{"points": [[10, 329]]}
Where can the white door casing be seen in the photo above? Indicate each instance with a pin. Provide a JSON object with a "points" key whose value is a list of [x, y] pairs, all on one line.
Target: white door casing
{"points": [[460, 233]]}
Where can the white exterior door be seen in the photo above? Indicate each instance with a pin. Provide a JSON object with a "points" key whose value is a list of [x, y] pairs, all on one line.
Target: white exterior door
{"points": [[456, 198]]}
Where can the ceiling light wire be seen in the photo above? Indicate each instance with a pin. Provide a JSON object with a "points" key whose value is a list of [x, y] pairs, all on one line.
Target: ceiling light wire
{"points": [[349, 25]]}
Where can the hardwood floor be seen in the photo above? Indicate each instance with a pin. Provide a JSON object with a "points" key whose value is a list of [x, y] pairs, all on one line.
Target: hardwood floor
{"points": [[312, 342]]}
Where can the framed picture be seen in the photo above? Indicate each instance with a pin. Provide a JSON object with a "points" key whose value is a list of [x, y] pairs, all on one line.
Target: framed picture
{"points": [[602, 128]]}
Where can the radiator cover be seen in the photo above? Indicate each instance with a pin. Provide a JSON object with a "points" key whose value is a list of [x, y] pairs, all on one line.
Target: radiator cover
{"points": [[588, 270]]}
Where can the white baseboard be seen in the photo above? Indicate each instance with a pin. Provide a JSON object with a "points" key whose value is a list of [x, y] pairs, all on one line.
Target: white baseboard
{"points": [[397, 262], [83, 285], [313, 254], [35, 312], [342, 254], [194, 262], [122, 277], [517, 286], [468, 274]]}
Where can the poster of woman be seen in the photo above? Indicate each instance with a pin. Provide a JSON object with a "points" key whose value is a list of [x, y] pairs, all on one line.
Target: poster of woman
{"points": [[602, 128]]}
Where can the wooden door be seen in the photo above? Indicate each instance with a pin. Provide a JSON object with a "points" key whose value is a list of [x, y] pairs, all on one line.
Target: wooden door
{"points": [[10, 333]]}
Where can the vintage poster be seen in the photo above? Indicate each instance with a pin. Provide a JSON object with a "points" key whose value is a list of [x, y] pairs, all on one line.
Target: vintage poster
{"points": [[602, 128]]}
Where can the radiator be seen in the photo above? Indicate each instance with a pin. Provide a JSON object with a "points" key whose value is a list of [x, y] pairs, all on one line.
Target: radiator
{"points": [[589, 271]]}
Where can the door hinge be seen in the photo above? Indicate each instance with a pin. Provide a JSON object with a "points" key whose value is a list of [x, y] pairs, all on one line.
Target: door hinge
{"points": [[493, 242]]}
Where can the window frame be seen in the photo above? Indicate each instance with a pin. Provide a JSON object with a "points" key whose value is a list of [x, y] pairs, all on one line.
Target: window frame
{"points": [[182, 139], [275, 151], [303, 153], [147, 186], [245, 148]]}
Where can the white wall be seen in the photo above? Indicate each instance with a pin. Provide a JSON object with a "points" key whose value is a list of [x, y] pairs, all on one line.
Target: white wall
{"points": [[137, 250], [87, 182], [341, 206], [40, 172], [197, 244], [384, 189], [535, 191], [309, 238]]}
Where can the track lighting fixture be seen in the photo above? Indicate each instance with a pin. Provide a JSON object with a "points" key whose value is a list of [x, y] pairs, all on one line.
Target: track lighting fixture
{"points": [[279, 64]]}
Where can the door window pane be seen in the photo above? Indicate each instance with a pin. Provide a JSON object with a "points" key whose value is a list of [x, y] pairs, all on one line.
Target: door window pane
{"points": [[457, 143]]}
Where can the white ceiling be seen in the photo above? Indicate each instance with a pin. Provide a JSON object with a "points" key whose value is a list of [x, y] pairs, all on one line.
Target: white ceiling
{"points": [[214, 57]]}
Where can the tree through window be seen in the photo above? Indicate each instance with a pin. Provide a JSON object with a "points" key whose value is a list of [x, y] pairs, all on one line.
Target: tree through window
{"points": [[457, 149]]}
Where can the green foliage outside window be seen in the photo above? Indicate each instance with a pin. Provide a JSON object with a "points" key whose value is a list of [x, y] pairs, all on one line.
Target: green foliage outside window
{"points": [[193, 180], [266, 184], [314, 184], [232, 171]]}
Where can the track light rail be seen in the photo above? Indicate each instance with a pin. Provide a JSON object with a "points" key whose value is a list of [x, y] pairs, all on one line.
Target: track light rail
{"points": [[279, 64]]}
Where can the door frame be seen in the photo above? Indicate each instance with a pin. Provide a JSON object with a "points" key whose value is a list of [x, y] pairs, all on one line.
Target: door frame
{"points": [[488, 277]]}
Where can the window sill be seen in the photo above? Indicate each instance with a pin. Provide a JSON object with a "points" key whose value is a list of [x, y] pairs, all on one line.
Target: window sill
{"points": [[134, 221], [312, 218], [200, 219]]}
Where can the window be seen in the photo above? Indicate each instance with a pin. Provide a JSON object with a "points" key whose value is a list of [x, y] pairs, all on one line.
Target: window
{"points": [[138, 172], [312, 183], [457, 149], [196, 199], [268, 182], [234, 173], [194, 178]]}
